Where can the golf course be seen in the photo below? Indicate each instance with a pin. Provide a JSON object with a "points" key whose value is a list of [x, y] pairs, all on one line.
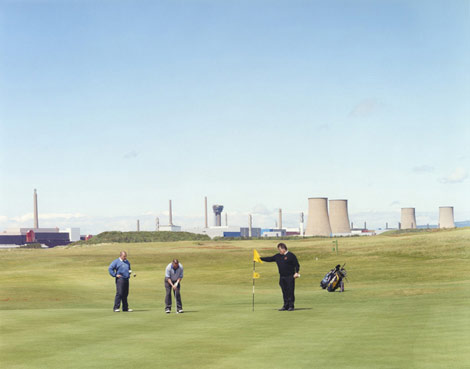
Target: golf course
{"points": [[406, 304]]}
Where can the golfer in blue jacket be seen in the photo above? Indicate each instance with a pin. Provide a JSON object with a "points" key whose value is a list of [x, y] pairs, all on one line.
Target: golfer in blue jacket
{"points": [[121, 270]]}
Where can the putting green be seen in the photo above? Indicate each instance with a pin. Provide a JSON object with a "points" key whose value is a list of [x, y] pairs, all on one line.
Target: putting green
{"points": [[406, 305]]}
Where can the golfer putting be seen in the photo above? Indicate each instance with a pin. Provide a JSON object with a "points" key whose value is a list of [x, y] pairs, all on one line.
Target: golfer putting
{"points": [[173, 277], [289, 267]]}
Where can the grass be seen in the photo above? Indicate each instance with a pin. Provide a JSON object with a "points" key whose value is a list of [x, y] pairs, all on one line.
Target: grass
{"points": [[406, 305]]}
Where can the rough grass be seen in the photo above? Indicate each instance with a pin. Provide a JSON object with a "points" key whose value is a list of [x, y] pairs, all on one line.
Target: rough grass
{"points": [[406, 305]]}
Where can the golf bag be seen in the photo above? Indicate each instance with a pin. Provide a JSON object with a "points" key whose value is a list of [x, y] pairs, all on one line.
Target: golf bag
{"points": [[334, 279]]}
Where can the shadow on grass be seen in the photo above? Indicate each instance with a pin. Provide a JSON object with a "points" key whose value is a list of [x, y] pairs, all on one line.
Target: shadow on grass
{"points": [[296, 309]]}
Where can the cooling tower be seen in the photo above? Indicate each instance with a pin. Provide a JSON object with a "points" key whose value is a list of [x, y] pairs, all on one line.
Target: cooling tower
{"points": [[318, 222], [446, 217], [339, 218], [408, 218]]}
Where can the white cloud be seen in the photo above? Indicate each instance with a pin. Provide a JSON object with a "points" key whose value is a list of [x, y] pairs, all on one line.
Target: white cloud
{"points": [[423, 169], [457, 176], [261, 209], [366, 108], [130, 155]]}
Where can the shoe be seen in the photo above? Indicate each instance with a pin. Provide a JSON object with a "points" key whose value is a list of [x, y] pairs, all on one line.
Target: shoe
{"points": [[167, 311], [180, 311], [116, 310], [128, 311], [290, 309], [282, 309]]}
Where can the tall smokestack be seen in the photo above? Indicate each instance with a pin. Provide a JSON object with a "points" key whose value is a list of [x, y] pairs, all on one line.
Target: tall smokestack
{"points": [[446, 217], [36, 218], [318, 222], [157, 224], [205, 212], [250, 224], [301, 224], [138, 225], [226, 220], [171, 215], [280, 219]]}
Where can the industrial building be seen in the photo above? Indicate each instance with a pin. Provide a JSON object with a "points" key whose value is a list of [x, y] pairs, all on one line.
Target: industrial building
{"points": [[46, 236], [50, 237]]}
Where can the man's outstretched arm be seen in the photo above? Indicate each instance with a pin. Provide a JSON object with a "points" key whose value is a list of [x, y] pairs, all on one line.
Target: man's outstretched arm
{"points": [[269, 258]]}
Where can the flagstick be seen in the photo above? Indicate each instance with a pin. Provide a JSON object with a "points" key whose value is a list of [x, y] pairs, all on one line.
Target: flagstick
{"points": [[254, 268]]}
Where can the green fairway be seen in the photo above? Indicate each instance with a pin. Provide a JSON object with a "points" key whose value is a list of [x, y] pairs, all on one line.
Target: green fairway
{"points": [[406, 305]]}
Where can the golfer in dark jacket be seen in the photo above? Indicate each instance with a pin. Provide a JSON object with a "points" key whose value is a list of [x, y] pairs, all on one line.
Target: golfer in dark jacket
{"points": [[288, 266], [121, 270]]}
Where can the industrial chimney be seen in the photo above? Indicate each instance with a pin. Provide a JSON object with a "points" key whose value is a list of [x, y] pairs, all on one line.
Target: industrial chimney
{"points": [[205, 212], [171, 215], [280, 219], [217, 212], [339, 218], [36, 218], [318, 222], [250, 225], [446, 217], [408, 218]]}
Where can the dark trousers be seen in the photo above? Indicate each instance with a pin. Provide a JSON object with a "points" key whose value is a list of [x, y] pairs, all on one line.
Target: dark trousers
{"points": [[287, 286], [169, 291], [122, 291]]}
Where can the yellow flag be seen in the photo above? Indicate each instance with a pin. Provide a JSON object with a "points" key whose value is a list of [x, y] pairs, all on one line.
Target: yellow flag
{"points": [[255, 275], [256, 257]]}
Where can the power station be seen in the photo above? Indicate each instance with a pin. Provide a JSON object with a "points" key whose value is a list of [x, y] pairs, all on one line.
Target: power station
{"points": [[325, 219], [49, 237]]}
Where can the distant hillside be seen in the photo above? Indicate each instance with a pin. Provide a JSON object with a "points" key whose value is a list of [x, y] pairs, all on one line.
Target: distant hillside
{"points": [[397, 232], [134, 237], [465, 223]]}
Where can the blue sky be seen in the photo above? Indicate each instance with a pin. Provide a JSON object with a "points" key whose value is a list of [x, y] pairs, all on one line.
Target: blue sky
{"points": [[110, 108]]}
